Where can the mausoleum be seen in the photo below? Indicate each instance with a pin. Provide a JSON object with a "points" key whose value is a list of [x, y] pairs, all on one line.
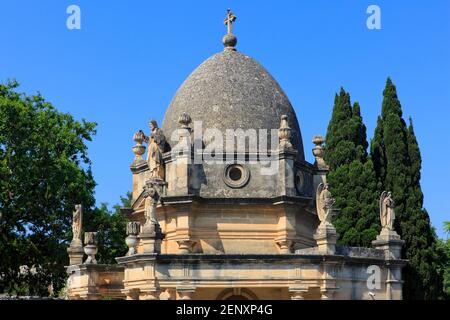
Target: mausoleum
{"points": [[225, 206]]}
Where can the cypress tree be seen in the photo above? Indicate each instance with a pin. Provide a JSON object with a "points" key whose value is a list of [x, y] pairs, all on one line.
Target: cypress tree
{"points": [[352, 177], [426, 255], [396, 156]]}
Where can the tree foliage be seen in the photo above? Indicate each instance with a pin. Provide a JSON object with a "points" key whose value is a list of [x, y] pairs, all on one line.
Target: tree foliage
{"points": [[396, 156], [352, 176], [45, 171]]}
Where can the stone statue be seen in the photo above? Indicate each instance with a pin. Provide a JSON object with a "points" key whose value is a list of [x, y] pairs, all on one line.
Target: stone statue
{"points": [[387, 211], [77, 222], [156, 147], [324, 204]]}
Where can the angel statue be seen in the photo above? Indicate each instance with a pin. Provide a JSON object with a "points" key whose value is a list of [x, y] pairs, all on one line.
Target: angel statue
{"points": [[324, 204], [77, 222], [387, 211], [156, 147]]}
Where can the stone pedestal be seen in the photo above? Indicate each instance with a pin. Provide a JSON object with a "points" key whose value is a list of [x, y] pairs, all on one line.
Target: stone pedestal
{"points": [[326, 238], [391, 244], [76, 254], [389, 241], [286, 172], [151, 241]]}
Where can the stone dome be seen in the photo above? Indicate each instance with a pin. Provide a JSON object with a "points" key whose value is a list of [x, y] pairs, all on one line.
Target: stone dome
{"points": [[229, 91]]}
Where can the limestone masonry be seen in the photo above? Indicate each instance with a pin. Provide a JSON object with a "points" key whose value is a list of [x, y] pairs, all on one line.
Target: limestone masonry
{"points": [[233, 229]]}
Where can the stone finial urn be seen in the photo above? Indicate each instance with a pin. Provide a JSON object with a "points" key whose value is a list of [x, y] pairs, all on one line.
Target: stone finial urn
{"points": [[318, 151], [185, 121], [284, 133], [90, 247], [132, 239], [138, 148]]}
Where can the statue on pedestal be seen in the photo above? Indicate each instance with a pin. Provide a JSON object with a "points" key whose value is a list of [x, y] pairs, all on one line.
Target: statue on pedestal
{"points": [[156, 147], [77, 222], [324, 204], [387, 211]]}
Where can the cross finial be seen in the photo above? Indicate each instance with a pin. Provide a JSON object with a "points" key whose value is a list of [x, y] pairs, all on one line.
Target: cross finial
{"points": [[229, 19]]}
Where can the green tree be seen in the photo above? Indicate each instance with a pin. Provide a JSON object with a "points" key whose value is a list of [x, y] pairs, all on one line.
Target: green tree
{"points": [[396, 156], [352, 176], [445, 265], [447, 227], [44, 172]]}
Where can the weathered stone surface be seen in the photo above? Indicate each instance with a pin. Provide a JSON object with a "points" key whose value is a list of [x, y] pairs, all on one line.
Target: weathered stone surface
{"points": [[231, 90]]}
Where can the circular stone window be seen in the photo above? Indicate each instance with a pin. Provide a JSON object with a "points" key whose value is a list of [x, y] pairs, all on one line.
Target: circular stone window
{"points": [[299, 182], [236, 176]]}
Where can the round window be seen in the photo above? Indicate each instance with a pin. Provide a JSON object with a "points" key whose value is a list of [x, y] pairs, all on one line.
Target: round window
{"points": [[236, 176], [299, 182]]}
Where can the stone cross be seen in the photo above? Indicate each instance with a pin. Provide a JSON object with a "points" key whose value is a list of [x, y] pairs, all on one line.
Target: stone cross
{"points": [[229, 19]]}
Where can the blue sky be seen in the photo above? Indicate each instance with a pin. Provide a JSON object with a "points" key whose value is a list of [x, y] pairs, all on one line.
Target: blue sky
{"points": [[127, 61]]}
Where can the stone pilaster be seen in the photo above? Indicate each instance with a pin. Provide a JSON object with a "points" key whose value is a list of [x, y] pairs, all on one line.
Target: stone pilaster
{"points": [[286, 158], [389, 241]]}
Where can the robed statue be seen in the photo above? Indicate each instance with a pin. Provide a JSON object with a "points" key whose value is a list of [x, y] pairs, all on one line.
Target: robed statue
{"points": [[324, 204], [387, 211], [77, 222], [156, 147]]}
